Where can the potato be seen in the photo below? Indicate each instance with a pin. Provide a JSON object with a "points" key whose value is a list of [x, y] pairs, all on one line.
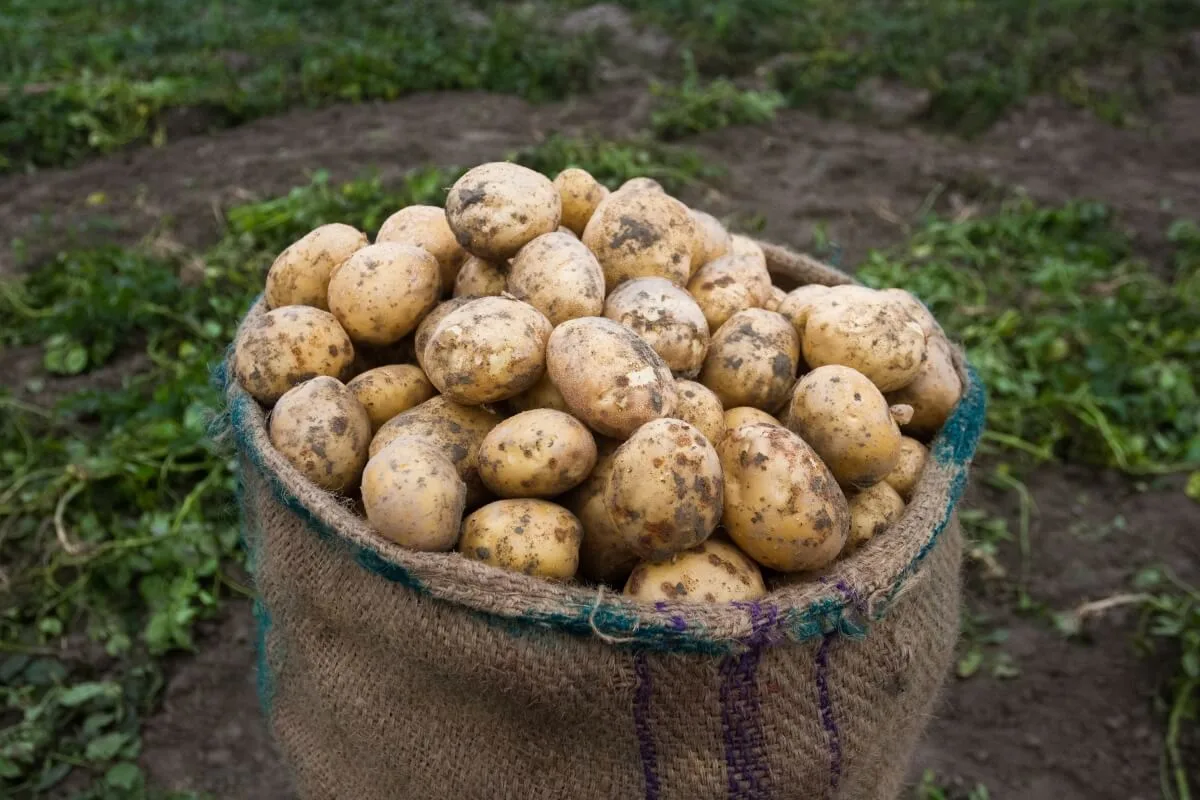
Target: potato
{"points": [[539, 453], [543, 394], [777, 297], [368, 356], [287, 346], [698, 406], [641, 185], [430, 323], [714, 571], [872, 510], [665, 491], [479, 278], [783, 507], [455, 430], [324, 431], [580, 193], [558, 276], [531, 536], [604, 555], [641, 234], [496, 209], [933, 393], [875, 335], [300, 274], [490, 349], [426, 227], [567, 231], [387, 391], [666, 317], [746, 415], [712, 240], [609, 378], [904, 476], [381, 292], [916, 308], [750, 264], [721, 291], [413, 495], [752, 360], [847, 421]]}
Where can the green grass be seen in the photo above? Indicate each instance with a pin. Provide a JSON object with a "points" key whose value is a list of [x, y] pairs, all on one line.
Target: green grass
{"points": [[694, 106]]}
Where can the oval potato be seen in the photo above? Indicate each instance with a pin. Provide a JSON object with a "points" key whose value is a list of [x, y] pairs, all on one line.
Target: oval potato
{"points": [[389, 390], [797, 304], [777, 297], [323, 431], [714, 571], [872, 510], [604, 555], [641, 234], [904, 476], [300, 274], [917, 309], [535, 537], [875, 335], [641, 184], [430, 323], [933, 393], [721, 292], [666, 317], [543, 394], [698, 406], [381, 292], [750, 264], [497, 208], [747, 415], [287, 346], [539, 453], [479, 278], [413, 495], [558, 276], [712, 240], [752, 360], [426, 227], [580, 193]]}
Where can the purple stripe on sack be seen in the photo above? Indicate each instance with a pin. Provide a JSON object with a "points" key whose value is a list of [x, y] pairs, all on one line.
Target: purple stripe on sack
{"points": [[747, 774], [641, 724], [828, 721]]}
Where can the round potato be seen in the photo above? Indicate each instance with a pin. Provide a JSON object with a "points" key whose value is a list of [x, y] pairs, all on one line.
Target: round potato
{"points": [[324, 431], [413, 495], [605, 556], [714, 571], [917, 309], [531, 536], [750, 264], [389, 390], [783, 507], [746, 415], [496, 209], [698, 406], [300, 274], [608, 376], [712, 240], [381, 292], [490, 349], [777, 297], [287, 346], [875, 335], [904, 476], [426, 227], [543, 394], [872, 510], [580, 193], [641, 185], [568, 231], [479, 278], [847, 421], [721, 291], [752, 360], [665, 491], [641, 234], [430, 323], [666, 317], [933, 393], [539, 453], [558, 276]]}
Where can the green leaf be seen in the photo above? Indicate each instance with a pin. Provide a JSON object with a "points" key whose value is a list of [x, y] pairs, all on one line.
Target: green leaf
{"points": [[106, 747], [969, 664], [9, 769], [52, 776], [123, 776], [1192, 489], [81, 693]]}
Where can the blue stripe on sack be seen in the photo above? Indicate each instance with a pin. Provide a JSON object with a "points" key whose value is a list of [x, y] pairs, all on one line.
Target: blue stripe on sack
{"points": [[833, 736], [747, 774], [641, 724]]}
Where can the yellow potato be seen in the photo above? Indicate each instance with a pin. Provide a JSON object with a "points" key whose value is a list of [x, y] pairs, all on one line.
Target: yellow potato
{"points": [[430, 323], [539, 453], [752, 360], [413, 495], [536, 537], [604, 556], [479, 278], [904, 476], [698, 406], [543, 394], [746, 415], [666, 317], [287, 346], [608, 377], [641, 234], [664, 493], [381, 292], [490, 349], [324, 431], [875, 335], [389, 390], [777, 297], [558, 276], [580, 194], [847, 421], [567, 231], [720, 289], [933, 393], [641, 185], [917, 309], [712, 240], [714, 571], [799, 302], [426, 227], [783, 507], [750, 264], [496, 209], [300, 274], [872, 510]]}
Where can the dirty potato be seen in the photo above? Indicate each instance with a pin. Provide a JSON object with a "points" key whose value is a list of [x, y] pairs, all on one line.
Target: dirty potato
{"points": [[752, 360], [381, 292], [714, 571], [479, 278], [604, 556], [799, 302], [539, 453], [777, 297], [324, 431], [750, 264], [430, 323], [698, 406], [721, 291], [558, 276], [535, 537], [387, 391], [665, 491], [712, 240], [641, 185], [413, 495], [666, 317], [917, 309], [543, 394], [641, 234], [490, 349], [904, 476], [872, 510], [287, 346], [580, 193], [426, 227], [783, 507], [300, 274], [497, 208], [875, 335], [746, 415], [933, 393], [608, 376]]}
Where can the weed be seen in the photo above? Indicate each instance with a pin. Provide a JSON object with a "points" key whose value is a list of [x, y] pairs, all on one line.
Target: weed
{"points": [[695, 106], [931, 788]]}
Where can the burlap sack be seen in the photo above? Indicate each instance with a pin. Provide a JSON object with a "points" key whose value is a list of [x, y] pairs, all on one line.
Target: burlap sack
{"points": [[388, 674]]}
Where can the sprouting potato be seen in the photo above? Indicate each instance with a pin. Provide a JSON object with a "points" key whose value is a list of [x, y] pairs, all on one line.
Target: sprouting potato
{"points": [[933, 393], [300, 274], [490, 349], [777, 297], [426, 227], [714, 571], [430, 323], [872, 510], [796, 304], [665, 491], [904, 476], [413, 495], [558, 276], [324, 431], [605, 556], [641, 234], [479, 278], [539, 453], [608, 376], [389, 390], [712, 240], [698, 406], [287, 346], [752, 360], [580, 194], [496, 209], [543, 394], [535, 537], [875, 335], [747, 415], [666, 317], [381, 292]]}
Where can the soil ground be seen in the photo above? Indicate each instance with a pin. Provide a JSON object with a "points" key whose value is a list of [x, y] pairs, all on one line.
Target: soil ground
{"points": [[1077, 719]]}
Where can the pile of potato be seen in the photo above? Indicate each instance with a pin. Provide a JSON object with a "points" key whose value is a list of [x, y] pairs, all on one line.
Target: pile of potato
{"points": [[581, 384]]}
